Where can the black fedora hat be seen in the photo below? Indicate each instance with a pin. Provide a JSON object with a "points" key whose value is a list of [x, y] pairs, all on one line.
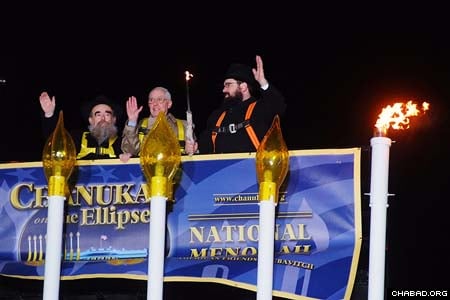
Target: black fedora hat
{"points": [[242, 73], [87, 107]]}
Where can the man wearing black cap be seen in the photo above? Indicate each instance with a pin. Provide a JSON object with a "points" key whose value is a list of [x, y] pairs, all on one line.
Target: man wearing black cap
{"points": [[247, 113], [102, 140]]}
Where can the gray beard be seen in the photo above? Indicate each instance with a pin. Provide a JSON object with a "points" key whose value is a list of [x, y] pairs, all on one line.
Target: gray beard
{"points": [[103, 133]]}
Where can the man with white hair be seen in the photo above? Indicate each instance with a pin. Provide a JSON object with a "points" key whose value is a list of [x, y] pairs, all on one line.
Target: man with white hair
{"points": [[159, 100]]}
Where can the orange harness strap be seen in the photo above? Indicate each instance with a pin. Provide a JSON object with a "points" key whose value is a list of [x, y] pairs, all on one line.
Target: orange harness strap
{"points": [[251, 133], [214, 133]]}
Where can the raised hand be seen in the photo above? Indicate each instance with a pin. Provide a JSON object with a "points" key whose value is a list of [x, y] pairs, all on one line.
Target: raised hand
{"points": [[47, 104], [132, 109], [259, 71]]}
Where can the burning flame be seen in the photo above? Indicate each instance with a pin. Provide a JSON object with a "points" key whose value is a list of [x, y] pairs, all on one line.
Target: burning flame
{"points": [[188, 75], [397, 115]]}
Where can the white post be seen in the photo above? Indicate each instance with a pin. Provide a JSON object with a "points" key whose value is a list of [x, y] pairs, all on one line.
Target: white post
{"points": [[265, 249], [52, 272], [378, 211], [156, 247]]}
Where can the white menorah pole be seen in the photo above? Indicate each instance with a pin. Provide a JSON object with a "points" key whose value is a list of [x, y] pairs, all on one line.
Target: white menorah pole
{"points": [[378, 211], [156, 247], [52, 272], [265, 249]]}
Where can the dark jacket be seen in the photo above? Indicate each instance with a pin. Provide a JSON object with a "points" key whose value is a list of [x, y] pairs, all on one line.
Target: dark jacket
{"points": [[269, 103]]}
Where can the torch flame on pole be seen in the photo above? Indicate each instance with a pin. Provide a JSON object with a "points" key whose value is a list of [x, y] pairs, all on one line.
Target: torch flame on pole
{"points": [[397, 116], [190, 131], [188, 75]]}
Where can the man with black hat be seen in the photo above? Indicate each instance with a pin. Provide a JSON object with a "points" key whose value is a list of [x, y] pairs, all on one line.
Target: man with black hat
{"points": [[250, 104], [102, 140]]}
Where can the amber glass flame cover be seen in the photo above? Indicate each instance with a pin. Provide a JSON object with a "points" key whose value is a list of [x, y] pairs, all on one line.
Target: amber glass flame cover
{"points": [[58, 158], [272, 162], [160, 157]]}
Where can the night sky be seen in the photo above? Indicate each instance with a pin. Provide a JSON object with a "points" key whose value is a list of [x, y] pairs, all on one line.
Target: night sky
{"points": [[336, 66]]}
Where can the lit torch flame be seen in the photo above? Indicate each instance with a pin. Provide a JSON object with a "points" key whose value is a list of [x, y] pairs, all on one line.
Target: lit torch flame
{"points": [[188, 75], [397, 116]]}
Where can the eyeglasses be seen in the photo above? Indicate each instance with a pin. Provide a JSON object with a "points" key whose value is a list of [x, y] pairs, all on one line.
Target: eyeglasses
{"points": [[227, 84], [157, 100]]}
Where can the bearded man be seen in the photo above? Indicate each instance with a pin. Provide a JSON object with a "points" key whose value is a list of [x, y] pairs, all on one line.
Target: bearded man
{"points": [[102, 141], [249, 107]]}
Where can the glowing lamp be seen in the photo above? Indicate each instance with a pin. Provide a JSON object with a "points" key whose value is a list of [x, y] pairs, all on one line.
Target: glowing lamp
{"points": [[272, 162], [160, 158], [58, 158]]}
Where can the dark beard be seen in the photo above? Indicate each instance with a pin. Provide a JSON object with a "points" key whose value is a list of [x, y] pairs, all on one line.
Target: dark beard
{"points": [[103, 132], [232, 100]]}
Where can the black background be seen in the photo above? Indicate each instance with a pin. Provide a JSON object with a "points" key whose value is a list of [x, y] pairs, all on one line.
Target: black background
{"points": [[337, 66]]}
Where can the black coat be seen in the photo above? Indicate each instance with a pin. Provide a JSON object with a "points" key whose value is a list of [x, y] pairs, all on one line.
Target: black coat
{"points": [[269, 103]]}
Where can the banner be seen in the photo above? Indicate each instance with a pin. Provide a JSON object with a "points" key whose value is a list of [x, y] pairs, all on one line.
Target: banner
{"points": [[212, 226]]}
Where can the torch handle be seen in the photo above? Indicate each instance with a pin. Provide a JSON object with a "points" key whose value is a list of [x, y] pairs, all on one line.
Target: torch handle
{"points": [[189, 127]]}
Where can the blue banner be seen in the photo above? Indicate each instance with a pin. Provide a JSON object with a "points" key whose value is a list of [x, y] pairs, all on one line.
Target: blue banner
{"points": [[212, 226]]}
